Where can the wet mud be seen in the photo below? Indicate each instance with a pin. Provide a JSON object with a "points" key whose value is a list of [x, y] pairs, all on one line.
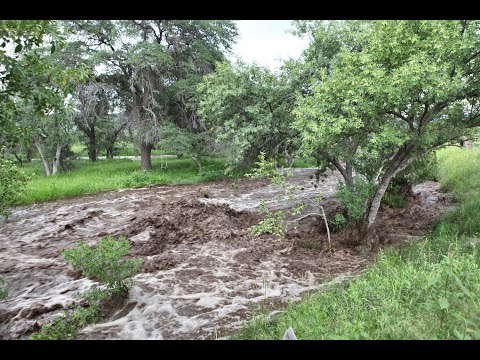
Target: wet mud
{"points": [[203, 273]]}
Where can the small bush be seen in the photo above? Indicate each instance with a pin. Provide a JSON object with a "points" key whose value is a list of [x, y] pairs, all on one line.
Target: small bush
{"points": [[272, 224], [12, 183], [3, 288], [66, 327], [354, 200], [105, 263]]}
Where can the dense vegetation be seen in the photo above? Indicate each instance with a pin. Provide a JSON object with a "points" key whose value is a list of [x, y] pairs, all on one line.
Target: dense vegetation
{"points": [[370, 98]]}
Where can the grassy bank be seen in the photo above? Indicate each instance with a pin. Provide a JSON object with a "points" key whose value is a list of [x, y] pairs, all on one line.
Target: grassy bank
{"points": [[428, 290], [103, 175]]}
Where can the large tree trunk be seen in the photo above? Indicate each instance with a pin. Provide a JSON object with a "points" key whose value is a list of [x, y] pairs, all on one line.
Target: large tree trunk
{"points": [[41, 150], [56, 160], [92, 147], [146, 156]]}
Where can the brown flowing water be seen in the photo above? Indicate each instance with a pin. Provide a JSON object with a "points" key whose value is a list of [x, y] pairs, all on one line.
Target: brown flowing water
{"points": [[204, 273]]}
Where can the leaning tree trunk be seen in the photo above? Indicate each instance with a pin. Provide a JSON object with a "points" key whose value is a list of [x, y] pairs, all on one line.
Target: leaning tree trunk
{"points": [[146, 156], [382, 188], [41, 150], [56, 160], [92, 147]]}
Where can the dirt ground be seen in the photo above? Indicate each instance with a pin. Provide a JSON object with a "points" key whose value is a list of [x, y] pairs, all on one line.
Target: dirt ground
{"points": [[204, 273]]}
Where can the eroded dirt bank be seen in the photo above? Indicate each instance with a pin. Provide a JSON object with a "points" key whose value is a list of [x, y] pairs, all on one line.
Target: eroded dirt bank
{"points": [[203, 271]]}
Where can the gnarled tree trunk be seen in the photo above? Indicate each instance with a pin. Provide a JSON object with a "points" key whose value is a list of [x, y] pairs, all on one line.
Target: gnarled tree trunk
{"points": [[92, 146], [146, 156]]}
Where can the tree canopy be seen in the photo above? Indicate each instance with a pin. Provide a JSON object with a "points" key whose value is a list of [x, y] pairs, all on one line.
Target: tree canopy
{"points": [[408, 88]]}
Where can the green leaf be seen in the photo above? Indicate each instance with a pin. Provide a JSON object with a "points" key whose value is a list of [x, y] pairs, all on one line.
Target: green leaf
{"points": [[18, 48], [443, 302], [52, 50]]}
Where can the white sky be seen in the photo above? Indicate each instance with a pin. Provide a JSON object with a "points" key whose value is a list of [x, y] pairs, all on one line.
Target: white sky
{"points": [[267, 42]]}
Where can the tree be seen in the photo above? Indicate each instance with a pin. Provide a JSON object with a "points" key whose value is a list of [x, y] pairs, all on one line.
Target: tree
{"points": [[148, 60], [410, 88], [249, 107], [111, 130], [28, 73], [92, 109]]}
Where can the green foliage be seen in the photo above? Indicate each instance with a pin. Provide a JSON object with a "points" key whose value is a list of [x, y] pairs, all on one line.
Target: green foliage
{"points": [[249, 108], [459, 169], [455, 284], [12, 184], [3, 288], [31, 73], [354, 199], [427, 290], [273, 223], [166, 60], [266, 169], [66, 327], [105, 263], [394, 198], [392, 92], [339, 221], [423, 169], [402, 296]]}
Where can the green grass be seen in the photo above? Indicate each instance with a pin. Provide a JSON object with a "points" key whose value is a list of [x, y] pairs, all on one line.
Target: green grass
{"points": [[121, 149], [104, 175], [304, 163], [428, 290]]}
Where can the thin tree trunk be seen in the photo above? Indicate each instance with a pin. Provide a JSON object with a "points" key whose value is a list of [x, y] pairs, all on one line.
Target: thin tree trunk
{"points": [[56, 160], [196, 161], [29, 153], [92, 147], [110, 152], [346, 172], [41, 150], [146, 156]]}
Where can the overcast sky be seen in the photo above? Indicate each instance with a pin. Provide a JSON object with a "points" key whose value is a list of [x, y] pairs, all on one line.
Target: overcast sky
{"points": [[267, 41]]}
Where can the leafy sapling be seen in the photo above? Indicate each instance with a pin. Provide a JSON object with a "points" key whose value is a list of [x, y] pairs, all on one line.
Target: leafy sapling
{"points": [[105, 263]]}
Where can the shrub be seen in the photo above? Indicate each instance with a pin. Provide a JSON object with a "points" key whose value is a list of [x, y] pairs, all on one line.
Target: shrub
{"points": [[3, 288], [105, 263], [66, 327], [12, 182], [273, 223], [354, 200]]}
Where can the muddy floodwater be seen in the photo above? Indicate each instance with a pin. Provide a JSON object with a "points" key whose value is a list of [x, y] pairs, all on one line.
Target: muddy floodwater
{"points": [[203, 273]]}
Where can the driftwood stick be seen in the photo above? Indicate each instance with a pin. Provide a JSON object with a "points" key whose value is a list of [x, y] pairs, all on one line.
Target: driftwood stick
{"points": [[330, 249]]}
